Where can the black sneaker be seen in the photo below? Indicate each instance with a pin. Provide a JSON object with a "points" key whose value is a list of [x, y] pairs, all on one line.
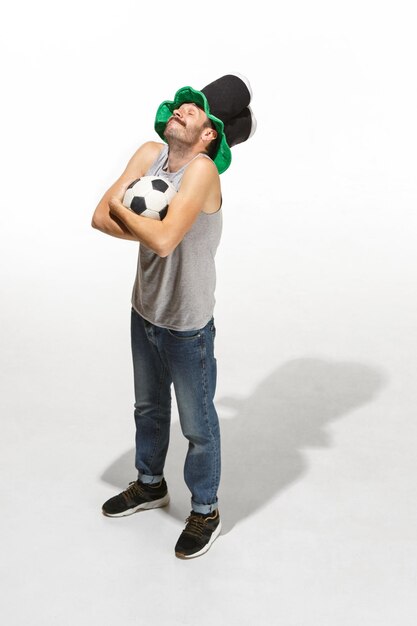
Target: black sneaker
{"points": [[137, 497], [198, 535]]}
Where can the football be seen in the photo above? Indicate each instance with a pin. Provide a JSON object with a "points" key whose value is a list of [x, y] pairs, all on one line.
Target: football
{"points": [[149, 196]]}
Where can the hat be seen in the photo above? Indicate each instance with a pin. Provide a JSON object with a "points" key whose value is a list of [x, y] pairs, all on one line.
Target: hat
{"points": [[226, 103]]}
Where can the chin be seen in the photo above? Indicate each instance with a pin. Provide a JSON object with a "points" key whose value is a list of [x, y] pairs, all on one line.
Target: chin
{"points": [[172, 133], [169, 131]]}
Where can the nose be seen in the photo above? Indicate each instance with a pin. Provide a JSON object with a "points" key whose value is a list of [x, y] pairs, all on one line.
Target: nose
{"points": [[177, 113]]}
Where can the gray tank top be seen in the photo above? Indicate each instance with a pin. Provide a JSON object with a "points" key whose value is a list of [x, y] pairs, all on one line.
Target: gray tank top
{"points": [[177, 291]]}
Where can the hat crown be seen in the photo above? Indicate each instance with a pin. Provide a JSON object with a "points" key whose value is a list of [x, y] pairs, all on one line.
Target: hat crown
{"points": [[227, 96]]}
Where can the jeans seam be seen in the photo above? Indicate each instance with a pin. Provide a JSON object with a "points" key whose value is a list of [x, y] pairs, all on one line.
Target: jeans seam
{"points": [[158, 426], [206, 413], [216, 449]]}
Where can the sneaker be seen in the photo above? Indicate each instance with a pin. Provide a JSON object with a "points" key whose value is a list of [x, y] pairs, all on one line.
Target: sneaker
{"points": [[137, 497], [198, 535]]}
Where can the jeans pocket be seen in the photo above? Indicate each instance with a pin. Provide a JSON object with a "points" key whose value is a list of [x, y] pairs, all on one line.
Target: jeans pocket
{"points": [[184, 334]]}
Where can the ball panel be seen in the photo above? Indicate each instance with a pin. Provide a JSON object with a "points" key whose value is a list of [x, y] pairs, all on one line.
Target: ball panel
{"points": [[128, 197], [163, 213], [160, 184], [170, 193], [155, 201], [154, 215], [138, 205]]}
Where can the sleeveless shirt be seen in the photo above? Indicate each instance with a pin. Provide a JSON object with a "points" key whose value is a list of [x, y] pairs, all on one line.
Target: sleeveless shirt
{"points": [[177, 291]]}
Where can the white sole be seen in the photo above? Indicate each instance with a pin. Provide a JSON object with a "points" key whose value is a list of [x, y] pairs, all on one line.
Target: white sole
{"points": [[213, 538], [145, 506]]}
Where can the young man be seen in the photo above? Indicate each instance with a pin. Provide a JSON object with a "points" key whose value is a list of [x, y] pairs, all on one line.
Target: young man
{"points": [[172, 324]]}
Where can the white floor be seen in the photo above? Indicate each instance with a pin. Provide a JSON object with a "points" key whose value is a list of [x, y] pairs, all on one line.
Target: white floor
{"points": [[317, 401]]}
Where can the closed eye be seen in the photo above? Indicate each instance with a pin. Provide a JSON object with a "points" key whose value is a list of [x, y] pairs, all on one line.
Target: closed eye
{"points": [[191, 108]]}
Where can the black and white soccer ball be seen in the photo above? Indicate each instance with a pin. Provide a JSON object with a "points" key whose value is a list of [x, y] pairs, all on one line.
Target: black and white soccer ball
{"points": [[149, 196]]}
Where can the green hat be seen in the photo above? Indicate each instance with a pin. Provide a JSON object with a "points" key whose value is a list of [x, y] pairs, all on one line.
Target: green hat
{"points": [[225, 102]]}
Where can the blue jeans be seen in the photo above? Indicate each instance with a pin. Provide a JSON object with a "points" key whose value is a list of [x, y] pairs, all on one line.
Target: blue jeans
{"points": [[186, 359]]}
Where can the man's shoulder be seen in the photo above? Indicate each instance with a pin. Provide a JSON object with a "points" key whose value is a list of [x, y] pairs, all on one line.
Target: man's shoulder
{"points": [[203, 165], [143, 158], [151, 148], [201, 181]]}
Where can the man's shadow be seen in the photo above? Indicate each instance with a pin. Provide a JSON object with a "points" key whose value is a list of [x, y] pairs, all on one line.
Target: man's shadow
{"points": [[263, 442]]}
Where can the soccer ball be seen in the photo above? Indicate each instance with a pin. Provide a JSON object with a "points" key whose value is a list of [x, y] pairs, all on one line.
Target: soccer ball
{"points": [[149, 196]]}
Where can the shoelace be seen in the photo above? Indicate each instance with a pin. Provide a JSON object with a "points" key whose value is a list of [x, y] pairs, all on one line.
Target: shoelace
{"points": [[134, 490], [195, 525]]}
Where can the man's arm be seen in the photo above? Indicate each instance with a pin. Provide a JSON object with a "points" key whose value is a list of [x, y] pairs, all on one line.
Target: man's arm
{"points": [[199, 185], [136, 167]]}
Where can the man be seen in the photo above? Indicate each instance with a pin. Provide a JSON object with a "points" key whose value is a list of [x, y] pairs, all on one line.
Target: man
{"points": [[172, 324]]}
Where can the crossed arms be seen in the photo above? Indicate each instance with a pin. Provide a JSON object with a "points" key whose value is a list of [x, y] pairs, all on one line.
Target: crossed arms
{"points": [[199, 183]]}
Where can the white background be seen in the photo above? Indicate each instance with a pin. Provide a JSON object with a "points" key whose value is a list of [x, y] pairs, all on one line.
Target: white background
{"points": [[316, 316]]}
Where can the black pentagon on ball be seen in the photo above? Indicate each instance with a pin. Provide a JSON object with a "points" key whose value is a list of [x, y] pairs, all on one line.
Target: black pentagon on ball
{"points": [[163, 213], [133, 183], [138, 205], [159, 184]]}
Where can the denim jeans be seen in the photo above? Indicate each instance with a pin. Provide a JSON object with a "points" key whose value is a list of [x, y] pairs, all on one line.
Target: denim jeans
{"points": [[162, 357]]}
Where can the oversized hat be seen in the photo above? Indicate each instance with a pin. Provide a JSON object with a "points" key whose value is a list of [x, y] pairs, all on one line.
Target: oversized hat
{"points": [[226, 103]]}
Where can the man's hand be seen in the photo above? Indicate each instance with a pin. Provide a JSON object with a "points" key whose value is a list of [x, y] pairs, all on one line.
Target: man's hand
{"points": [[147, 231], [115, 205]]}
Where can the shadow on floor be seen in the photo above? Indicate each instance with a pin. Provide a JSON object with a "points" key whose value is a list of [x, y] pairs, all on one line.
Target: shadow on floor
{"points": [[266, 434]]}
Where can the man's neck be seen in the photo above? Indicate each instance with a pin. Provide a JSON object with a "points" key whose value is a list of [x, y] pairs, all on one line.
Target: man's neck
{"points": [[180, 156]]}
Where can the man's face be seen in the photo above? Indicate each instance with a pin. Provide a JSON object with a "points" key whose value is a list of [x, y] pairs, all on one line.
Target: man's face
{"points": [[186, 123]]}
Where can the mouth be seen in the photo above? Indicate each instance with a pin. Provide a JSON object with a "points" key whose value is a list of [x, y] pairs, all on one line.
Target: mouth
{"points": [[175, 119]]}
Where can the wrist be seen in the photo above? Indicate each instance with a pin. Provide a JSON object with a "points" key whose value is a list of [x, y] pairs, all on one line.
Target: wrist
{"points": [[116, 207]]}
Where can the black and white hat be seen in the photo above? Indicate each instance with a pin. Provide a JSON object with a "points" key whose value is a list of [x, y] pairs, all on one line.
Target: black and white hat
{"points": [[226, 103]]}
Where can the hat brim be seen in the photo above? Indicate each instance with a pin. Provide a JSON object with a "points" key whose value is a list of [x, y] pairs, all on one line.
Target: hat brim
{"points": [[223, 156]]}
